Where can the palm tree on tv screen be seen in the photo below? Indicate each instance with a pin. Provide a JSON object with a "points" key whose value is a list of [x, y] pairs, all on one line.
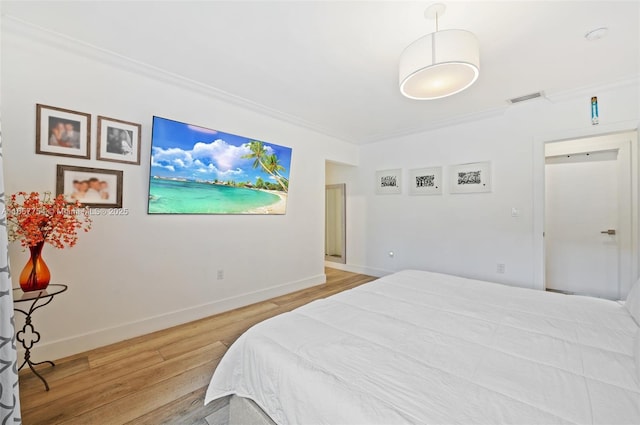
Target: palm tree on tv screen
{"points": [[273, 167], [269, 163]]}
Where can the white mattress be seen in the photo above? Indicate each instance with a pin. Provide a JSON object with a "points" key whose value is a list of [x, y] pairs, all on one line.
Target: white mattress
{"points": [[427, 348]]}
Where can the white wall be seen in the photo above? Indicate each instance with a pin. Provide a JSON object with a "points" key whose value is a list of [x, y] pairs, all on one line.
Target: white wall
{"points": [[469, 234], [137, 273]]}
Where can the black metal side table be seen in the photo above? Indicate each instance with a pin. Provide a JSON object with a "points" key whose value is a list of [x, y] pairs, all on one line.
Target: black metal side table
{"points": [[28, 336]]}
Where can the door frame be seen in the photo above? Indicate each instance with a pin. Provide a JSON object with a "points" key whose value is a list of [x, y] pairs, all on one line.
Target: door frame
{"points": [[619, 143], [630, 127]]}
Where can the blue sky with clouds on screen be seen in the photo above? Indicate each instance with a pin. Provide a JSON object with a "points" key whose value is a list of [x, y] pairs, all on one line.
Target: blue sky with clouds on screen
{"points": [[197, 153]]}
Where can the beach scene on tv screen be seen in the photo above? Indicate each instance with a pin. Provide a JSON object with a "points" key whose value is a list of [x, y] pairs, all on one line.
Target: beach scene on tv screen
{"points": [[196, 170]]}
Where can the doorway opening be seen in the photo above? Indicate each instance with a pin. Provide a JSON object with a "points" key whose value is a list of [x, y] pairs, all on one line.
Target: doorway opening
{"points": [[589, 240], [335, 223]]}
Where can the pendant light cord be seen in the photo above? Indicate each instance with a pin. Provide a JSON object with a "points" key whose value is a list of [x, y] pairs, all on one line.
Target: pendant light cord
{"points": [[433, 42]]}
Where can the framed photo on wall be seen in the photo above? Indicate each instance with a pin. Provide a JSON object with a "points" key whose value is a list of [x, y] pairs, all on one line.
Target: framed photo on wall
{"points": [[388, 181], [425, 181], [471, 178], [93, 187], [118, 141], [62, 132]]}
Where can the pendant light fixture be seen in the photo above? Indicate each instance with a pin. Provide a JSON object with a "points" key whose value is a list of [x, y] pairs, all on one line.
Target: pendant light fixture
{"points": [[439, 64]]}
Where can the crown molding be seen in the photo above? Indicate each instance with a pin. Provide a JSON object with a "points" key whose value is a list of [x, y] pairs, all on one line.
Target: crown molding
{"points": [[459, 119], [592, 90], [632, 81], [17, 26]]}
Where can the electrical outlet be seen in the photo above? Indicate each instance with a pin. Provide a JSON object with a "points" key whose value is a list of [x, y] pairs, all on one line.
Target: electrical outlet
{"points": [[500, 268], [220, 274]]}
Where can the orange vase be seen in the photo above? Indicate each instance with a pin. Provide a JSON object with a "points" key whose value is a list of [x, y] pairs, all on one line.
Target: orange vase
{"points": [[35, 276]]}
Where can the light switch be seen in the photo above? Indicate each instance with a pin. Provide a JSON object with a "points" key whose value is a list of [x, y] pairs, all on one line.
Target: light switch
{"points": [[515, 212]]}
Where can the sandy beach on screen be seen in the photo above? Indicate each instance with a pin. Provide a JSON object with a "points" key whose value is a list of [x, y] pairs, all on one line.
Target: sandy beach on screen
{"points": [[277, 208]]}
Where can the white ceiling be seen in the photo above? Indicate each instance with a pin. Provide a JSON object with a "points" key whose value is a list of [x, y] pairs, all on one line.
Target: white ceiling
{"points": [[333, 65]]}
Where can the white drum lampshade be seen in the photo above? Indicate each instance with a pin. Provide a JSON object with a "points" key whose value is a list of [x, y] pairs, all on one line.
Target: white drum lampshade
{"points": [[439, 64]]}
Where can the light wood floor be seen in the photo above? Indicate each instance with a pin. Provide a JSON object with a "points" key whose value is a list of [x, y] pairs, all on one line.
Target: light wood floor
{"points": [[158, 378]]}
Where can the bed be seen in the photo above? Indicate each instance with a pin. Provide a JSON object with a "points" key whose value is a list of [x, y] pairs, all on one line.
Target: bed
{"points": [[418, 347]]}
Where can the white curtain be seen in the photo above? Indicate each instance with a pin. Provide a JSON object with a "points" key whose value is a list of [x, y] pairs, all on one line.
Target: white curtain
{"points": [[9, 395]]}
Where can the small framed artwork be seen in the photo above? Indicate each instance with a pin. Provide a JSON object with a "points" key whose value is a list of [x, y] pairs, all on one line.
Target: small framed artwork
{"points": [[388, 181], [425, 181], [62, 132], [93, 187], [118, 141], [471, 178]]}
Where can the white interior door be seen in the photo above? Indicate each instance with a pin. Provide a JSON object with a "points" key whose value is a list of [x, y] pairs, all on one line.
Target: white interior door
{"points": [[628, 231], [582, 203]]}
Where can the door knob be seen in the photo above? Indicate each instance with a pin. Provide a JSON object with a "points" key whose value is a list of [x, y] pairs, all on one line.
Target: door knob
{"points": [[609, 232]]}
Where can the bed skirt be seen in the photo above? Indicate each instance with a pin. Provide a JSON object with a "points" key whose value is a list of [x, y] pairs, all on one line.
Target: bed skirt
{"points": [[243, 411]]}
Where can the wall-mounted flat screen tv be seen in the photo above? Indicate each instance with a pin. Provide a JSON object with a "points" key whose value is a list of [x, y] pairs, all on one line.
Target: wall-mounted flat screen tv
{"points": [[196, 170]]}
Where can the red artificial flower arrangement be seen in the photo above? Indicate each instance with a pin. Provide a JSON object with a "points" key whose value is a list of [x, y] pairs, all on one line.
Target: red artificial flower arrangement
{"points": [[34, 219]]}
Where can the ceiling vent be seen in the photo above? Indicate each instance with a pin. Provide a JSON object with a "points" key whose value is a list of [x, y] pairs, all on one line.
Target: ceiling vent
{"points": [[526, 97]]}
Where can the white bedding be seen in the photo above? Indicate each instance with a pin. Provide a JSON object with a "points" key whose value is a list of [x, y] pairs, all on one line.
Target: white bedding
{"points": [[427, 348]]}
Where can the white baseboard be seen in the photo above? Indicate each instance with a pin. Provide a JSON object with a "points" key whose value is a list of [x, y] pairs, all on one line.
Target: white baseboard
{"points": [[369, 271], [101, 337]]}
